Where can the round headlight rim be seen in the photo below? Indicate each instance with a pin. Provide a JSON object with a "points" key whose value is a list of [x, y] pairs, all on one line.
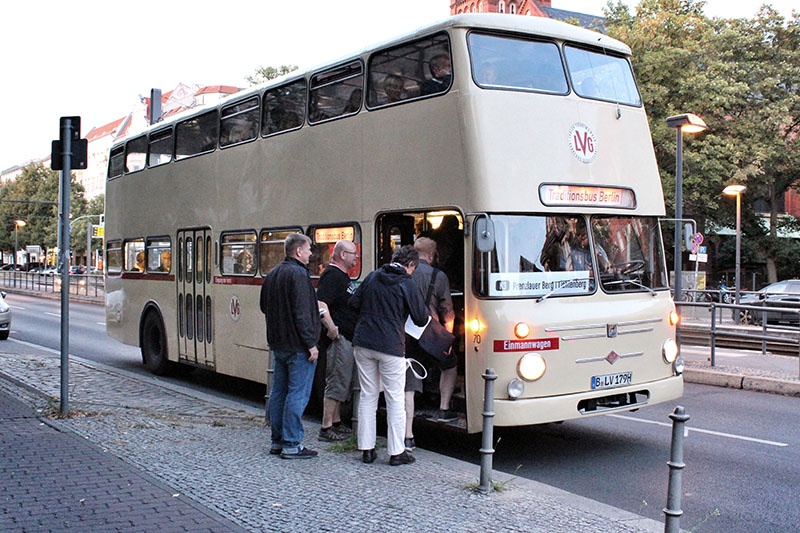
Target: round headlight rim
{"points": [[513, 383], [664, 352], [531, 355]]}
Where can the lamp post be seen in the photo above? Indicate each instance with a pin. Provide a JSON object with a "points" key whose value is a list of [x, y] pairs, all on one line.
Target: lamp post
{"points": [[17, 224], [688, 123], [737, 190]]}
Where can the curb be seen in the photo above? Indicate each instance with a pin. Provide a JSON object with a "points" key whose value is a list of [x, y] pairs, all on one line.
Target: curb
{"points": [[739, 381]]}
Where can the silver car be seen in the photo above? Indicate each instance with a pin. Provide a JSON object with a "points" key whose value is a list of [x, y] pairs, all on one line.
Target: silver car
{"points": [[5, 317]]}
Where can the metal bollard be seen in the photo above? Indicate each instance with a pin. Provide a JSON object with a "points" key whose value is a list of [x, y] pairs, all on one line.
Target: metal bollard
{"points": [[270, 374], [673, 512], [488, 432], [714, 333]]}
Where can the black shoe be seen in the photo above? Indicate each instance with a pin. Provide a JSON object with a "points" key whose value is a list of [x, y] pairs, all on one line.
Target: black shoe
{"points": [[275, 451], [410, 444], [446, 415], [302, 453], [369, 456], [401, 459], [329, 435], [341, 429]]}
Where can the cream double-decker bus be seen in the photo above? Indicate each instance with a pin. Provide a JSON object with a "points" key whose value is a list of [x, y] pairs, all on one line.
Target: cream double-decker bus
{"points": [[519, 144]]}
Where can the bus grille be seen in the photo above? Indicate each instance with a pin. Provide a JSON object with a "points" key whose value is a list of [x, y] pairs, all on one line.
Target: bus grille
{"points": [[613, 402]]}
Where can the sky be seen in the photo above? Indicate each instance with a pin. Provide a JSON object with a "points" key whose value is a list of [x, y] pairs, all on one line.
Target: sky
{"points": [[93, 58]]}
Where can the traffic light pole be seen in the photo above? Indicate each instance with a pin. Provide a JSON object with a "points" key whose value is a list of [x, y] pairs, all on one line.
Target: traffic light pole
{"points": [[63, 215], [68, 152]]}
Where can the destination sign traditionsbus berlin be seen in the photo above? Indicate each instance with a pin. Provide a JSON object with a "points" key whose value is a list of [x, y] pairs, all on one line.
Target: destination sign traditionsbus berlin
{"points": [[586, 195]]}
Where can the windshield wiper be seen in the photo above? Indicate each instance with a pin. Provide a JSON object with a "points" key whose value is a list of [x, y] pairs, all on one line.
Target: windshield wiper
{"points": [[553, 291], [632, 282]]}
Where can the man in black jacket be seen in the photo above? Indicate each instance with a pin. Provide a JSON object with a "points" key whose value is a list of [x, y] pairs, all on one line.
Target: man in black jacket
{"points": [[384, 301], [293, 326]]}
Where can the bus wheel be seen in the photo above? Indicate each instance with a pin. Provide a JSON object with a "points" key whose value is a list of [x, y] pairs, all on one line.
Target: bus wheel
{"points": [[154, 344]]}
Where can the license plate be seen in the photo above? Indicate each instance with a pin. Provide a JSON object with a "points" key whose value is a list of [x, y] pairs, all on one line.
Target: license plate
{"points": [[612, 380]]}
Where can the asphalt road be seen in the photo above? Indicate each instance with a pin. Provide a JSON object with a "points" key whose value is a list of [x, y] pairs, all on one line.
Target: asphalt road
{"points": [[742, 454]]}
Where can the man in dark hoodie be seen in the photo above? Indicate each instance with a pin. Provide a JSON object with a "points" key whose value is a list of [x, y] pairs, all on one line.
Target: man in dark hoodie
{"points": [[293, 326], [384, 300]]}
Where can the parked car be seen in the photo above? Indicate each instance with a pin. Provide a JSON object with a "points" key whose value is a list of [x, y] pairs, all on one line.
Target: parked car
{"points": [[5, 317], [33, 267], [11, 266], [50, 271], [784, 294], [76, 269]]}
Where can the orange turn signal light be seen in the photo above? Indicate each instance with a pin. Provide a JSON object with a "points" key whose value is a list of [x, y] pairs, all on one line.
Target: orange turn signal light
{"points": [[674, 318], [475, 325], [522, 330]]}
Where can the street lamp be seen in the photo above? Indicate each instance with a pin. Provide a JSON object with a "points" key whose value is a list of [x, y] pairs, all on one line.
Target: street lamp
{"points": [[17, 224], [688, 123], [737, 190]]}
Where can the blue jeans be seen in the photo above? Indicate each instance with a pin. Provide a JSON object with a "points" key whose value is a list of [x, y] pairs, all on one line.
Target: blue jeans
{"points": [[291, 387]]}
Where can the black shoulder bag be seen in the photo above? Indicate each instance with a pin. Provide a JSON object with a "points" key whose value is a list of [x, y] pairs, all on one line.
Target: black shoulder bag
{"points": [[436, 340]]}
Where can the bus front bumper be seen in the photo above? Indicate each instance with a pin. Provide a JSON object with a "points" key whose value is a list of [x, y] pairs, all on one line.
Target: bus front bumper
{"points": [[530, 411]]}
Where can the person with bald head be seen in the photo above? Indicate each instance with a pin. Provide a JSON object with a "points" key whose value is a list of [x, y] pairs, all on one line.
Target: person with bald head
{"points": [[335, 288]]}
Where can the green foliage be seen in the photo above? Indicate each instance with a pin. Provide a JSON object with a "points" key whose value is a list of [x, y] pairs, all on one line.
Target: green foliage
{"points": [[264, 74], [743, 77], [36, 183]]}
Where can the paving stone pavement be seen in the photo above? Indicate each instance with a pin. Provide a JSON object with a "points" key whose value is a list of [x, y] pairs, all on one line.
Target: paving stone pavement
{"points": [[215, 456]]}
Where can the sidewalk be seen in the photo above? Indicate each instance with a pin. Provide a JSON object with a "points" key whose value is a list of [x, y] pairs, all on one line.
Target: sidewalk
{"points": [[147, 453]]}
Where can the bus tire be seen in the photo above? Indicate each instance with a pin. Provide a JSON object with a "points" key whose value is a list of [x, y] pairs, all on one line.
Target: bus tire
{"points": [[154, 344]]}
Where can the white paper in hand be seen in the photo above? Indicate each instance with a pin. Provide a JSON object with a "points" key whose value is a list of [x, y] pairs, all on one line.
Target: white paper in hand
{"points": [[413, 329]]}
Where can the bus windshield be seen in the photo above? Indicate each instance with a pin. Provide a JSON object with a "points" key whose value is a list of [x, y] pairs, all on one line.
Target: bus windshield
{"points": [[536, 256], [542, 256], [629, 253]]}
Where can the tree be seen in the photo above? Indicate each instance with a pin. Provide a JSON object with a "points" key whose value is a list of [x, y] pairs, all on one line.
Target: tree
{"points": [[742, 77], [264, 74], [36, 183]]}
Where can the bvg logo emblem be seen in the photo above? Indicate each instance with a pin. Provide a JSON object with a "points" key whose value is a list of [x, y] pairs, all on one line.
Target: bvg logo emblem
{"points": [[502, 285], [583, 142]]}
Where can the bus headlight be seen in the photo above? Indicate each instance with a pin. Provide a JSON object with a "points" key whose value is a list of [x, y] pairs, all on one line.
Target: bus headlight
{"points": [[522, 330], [678, 365], [515, 388], [674, 318], [531, 367], [669, 350]]}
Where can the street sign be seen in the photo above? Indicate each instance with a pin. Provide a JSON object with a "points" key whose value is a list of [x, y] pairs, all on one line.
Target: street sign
{"points": [[698, 238], [702, 249], [98, 232], [700, 258]]}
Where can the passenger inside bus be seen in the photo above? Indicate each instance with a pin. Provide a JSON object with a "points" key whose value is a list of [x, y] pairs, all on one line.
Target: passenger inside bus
{"points": [[393, 87], [166, 261], [139, 262], [441, 72]]}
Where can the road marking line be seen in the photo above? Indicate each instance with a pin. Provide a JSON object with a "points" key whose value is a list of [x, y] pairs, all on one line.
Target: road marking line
{"points": [[100, 323], [16, 307], [53, 314], [706, 431]]}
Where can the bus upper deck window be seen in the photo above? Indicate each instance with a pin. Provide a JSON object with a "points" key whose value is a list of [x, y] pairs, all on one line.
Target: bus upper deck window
{"points": [[601, 76], [160, 149], [418, 68], [336, 92], [135, 154], [284, 108], [239, 122], [517, 64]]}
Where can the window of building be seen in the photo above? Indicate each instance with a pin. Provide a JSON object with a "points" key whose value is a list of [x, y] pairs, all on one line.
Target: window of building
{"points": [[336, 92], [160, 148], [501, 7], [196, 135], [135, 154], [323, 239], [239, 122], [159, 255], [270, 247], [134, 255], [114, 257], [512, 8], [238, 251], [411, 70], [116, 162], [284, 108]]}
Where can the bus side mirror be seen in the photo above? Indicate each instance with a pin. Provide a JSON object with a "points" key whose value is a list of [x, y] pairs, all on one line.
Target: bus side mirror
{"points": [[484, 234]]}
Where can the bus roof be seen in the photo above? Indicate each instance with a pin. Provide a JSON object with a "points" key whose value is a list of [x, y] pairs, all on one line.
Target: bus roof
{"points": [[539, 26]]}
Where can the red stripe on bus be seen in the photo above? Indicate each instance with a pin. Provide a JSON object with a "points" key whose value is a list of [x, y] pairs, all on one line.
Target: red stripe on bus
{"points": [[517, 345], [237, 280], [148, 277]]}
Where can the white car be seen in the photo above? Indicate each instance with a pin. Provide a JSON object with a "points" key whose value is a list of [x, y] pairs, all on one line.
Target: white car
{"points": [[5, 317]]}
